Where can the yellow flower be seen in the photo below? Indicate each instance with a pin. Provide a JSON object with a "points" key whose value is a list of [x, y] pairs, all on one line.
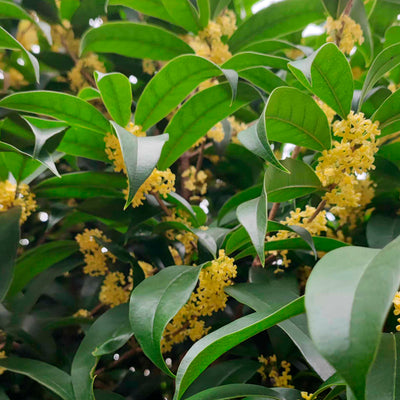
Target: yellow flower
{"points": [[396, 303], [195, 181], [95, 256], [147, 268], [82, 313], [207, 299], [237, 127], [148, 66], [12, 195], [270, 366], [216, 133], [2, 355], [112, 291], [345, 32], [306, 396], [329, 112], [26, 34]]}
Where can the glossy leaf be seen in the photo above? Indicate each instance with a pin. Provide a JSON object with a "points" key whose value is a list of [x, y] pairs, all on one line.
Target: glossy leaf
{"points": [[8, 42], [116, 93], [293, 117], [388, 115], [327, 74], [204, 12], [9, 241], [335, 7], [198, 115], [183, 13], [155, 302], [170, 86], [262, 77], [368, 280], [62, 106], [141, 155], [112, 324], [136, 40], [58, 381], [275, 21], [385, 61], [209, 348], [250, 59], [381, 230], [300, 181], [253, 215]]}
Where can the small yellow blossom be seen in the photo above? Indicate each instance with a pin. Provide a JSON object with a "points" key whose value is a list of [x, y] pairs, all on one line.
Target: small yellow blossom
{"points": [[216, 133], [147, 268], [12, 195], [345, 32], [329, 112], [195, 181], [306, 396], [2, 356], [237, 127], [82, 313], [357, 72], [112, 291], [396, 303], [86, 65], [303, 273], [294, 53], [208, 298], [270, 370], [27, 34], [95, 256], [148, 66]]}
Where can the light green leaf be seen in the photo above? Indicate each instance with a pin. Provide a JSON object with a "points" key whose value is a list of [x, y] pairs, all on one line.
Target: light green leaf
{"points": [[62, 106], [250, 59], [271, 46], [262, 77], [294, 117], [9, 241], [199, 114], [384, 62], [141, 155], [368, 280], [253, 215], [183, 13], [112, 324], [327, 74], [135, 40], [51, 377], [204, 12], [8, 42], [209, 348], [155, 302], [334, 380], [170, 86], [335, 7], [300, 181], [388, 115], [88, 93], [275, 21], [116, 93]]}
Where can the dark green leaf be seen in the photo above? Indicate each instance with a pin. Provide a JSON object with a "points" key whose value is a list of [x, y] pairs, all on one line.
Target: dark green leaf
{"points": [[116, 92], [335, 7], [9, 241], [134, 40], [388, 114], [155, 302], [262, 77], [381, 230], [250, 59]]}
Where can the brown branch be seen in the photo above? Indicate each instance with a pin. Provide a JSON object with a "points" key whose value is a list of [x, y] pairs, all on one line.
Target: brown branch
{"points": [[320, 207], [296, 152], [274, 211], [184, 165], [201, 157], [196, 152], [130, 353], [161, 203]]}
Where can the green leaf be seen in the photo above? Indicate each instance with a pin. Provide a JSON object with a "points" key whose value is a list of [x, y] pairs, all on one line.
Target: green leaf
{"points": [[8, 42], [300, 181], [250, 59], [235, 391], [89, 93], [37, 260], [204, 12], [136, 40], [198, 115], [255, 140], [335, 7], [105, 395], [51, 377], [327, 74], [217, 6], [116, 93], [9, 241], [276, 21], [388, 115], [381, 230], [262, 77], [224, 373], [253, 215], [209, 348], [368, 280], [334, 380], [170, 86], [383, 379], [86, 10], [183, 13], [82, 185], [294, 117], [385, 61], [62, 106], [271, 295], [22, 168], [155, 302], [112, 324], [271, 46], [141, 155]]}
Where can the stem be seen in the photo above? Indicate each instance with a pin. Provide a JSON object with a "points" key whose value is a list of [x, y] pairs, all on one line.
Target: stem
{"points": [[201, 157], [320, 207], [296, 152], [185, 164], [274, 211], [124, 357], [161, 203]]}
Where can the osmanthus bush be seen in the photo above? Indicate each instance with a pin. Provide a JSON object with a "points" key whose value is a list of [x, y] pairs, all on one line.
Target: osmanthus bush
{"points": [[198, 202]]}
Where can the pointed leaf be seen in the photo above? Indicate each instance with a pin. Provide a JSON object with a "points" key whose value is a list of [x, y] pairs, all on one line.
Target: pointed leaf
{"points": [[62, 106], [368, 280], [141, 155], [293, 117], [253, 215], [183, 13], [154, 302], [135, 40], [335, 7], [262, 77], [327, 74], [116, 93], [199, 114], [9, 241], [204, 12], [250, 59], [388, 115], [209, 348]]}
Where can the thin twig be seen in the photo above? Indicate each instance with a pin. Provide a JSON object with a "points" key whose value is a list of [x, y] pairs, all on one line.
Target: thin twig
{"points": [[201, 157], [161, 203], [320, 207], [115, 363]]}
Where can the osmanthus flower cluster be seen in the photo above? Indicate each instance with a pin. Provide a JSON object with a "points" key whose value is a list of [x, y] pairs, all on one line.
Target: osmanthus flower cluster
{"points": [[208, 298], [270, 370]]}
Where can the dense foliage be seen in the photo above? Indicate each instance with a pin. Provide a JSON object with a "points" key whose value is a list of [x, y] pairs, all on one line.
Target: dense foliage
{"points": [[199, 199]]}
